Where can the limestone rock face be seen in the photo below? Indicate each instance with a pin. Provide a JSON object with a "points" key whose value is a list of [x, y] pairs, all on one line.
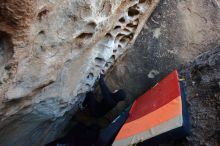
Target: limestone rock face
{"points": [[51, 52]]}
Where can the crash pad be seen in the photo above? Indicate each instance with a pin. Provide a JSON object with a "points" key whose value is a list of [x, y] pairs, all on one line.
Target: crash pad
{"points": [[160, 114]]}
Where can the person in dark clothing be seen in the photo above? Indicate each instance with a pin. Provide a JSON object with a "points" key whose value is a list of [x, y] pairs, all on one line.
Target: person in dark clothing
{"points": [[80, 135], [108, 102]]}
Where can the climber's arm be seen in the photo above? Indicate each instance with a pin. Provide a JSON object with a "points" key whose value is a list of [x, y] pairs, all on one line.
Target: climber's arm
{"points": [[106, 93]]}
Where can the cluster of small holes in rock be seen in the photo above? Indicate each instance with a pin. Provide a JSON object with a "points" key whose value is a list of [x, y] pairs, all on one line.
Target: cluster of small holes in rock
{"points": [[121, 34]]}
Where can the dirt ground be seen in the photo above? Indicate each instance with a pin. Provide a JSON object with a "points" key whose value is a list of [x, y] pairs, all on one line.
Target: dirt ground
{"points": [[202, 83]]}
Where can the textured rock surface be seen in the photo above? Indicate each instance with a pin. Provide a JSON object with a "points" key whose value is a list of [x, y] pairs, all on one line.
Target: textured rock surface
{"points": [[203, 90], [176, 34], [51, 52]]}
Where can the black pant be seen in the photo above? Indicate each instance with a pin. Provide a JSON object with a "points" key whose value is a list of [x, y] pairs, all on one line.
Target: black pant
{"points": [[99, 109], [80, 135]]}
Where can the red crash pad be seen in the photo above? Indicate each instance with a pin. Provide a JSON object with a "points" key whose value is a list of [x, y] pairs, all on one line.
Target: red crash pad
{"points": [[155, 112]]}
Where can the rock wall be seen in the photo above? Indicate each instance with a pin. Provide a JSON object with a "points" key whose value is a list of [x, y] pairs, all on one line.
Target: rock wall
{"points": [[177, 32], [51, 52], [203, 91]]}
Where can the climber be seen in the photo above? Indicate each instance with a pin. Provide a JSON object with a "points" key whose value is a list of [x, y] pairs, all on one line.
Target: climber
{"points": [[79, 135], [83, 135], [108, 102]]}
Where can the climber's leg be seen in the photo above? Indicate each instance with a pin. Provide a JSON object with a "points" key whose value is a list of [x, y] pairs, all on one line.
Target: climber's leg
{"points": [[92, 104]]}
